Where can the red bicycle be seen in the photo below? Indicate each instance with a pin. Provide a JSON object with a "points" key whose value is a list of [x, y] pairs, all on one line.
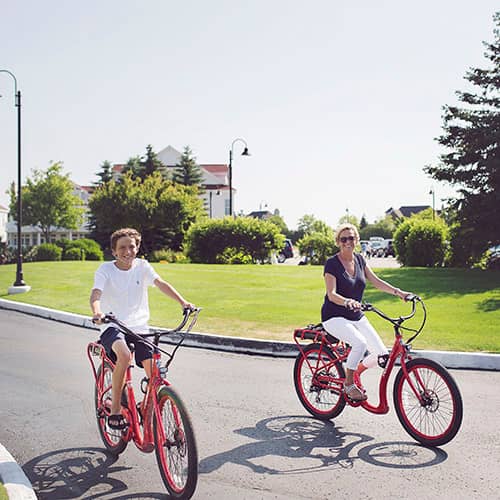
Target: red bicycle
{"points": [[160, 421], [426, 397]]}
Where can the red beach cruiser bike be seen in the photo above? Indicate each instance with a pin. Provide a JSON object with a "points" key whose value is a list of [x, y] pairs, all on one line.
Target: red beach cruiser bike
{"points": [[160, 421], [426, 397]]}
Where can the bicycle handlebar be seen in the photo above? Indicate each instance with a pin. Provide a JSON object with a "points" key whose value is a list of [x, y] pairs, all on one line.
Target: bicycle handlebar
{"points": [[397, 322]]}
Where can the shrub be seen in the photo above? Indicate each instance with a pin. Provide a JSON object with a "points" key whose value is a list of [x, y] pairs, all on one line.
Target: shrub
{"points": [[421, 242], [90, 247], [74, 254], [46, 251], [168, 255], [317, 247], [243, 239]]}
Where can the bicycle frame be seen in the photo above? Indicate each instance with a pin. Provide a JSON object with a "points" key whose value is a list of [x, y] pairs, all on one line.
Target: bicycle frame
{"points": [[400, 350], [144, 411]]}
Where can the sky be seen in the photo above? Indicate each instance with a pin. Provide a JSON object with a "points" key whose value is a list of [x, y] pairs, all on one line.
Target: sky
{"points": [[339, 102]]}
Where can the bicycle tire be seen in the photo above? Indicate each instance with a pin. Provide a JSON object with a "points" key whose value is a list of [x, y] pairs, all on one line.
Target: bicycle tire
{"points": [[322, 403], [113, 439], [178, 457], [436, 420]]}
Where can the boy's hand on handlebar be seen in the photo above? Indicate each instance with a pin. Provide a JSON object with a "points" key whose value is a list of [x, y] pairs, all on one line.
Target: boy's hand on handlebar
{"points": [[98, 318]]}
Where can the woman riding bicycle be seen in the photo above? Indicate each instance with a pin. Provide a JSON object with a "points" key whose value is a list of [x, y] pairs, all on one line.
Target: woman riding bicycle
{"points": [[120, 287], [345, 277]]}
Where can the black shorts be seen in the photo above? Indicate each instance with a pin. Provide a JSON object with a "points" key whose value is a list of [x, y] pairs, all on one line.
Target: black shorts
{"points": [[142, 350]]}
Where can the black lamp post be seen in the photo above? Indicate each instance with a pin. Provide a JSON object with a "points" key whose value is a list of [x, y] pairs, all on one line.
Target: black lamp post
{"points": [[19, 284], [433, 202], [244, 153]]}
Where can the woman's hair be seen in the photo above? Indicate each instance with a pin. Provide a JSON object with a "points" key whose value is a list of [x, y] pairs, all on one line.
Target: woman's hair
{"points": [[126, 231], [343, 227]]}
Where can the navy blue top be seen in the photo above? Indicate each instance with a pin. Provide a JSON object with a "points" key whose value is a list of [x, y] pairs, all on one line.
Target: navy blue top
{"points": [[350, 287]]}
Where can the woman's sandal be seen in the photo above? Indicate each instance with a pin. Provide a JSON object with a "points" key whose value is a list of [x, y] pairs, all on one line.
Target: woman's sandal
{"points": [[117, 422], [354, 393]]}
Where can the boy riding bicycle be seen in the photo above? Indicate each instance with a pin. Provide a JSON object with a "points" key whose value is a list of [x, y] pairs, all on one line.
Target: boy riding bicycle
{"points": [[120, 287]]}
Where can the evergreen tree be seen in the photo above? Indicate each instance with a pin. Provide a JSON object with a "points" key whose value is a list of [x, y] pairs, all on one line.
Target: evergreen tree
{"points": [[106, 173], [471, 135], [187, 171]]}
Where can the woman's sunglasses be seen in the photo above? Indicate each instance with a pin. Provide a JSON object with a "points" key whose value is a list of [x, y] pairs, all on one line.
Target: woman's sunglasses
{"points": [[345, 239]]}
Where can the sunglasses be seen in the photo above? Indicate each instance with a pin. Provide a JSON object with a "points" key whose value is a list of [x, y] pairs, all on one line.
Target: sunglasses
{"points": [[345, 239]]}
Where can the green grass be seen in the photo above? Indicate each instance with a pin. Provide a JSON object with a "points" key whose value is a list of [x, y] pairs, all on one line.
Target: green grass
{"points": [[268, 302], [3, 492]]}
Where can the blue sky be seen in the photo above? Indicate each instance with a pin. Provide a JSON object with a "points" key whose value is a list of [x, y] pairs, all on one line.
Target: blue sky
{"points": [[339, 104]]}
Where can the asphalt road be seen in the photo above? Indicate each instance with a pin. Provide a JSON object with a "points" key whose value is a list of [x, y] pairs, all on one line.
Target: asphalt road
{"points": [[254, 438]]}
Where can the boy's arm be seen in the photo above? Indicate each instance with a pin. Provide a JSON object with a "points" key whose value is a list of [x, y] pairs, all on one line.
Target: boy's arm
{"points": [[171, 292], [95, 305]]}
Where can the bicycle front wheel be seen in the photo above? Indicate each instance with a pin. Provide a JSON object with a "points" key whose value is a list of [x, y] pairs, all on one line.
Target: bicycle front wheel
{"points": [[428, 402], [318, 377], [175, 445], [113, 439]]}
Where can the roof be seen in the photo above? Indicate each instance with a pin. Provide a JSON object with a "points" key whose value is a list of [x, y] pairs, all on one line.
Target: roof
{"points": [[407, 210]]}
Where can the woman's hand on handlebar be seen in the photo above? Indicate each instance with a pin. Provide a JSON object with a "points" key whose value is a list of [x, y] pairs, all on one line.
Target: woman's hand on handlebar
{"points": [[187, 306], [352, 305]]}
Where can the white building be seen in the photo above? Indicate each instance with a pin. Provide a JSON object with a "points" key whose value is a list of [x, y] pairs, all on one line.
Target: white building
{"points": [[4, 216]]}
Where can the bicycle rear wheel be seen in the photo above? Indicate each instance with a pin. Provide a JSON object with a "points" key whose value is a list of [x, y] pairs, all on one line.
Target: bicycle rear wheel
{"points": [[312, 374], [433, 418], [176, 451], [113, 439]]}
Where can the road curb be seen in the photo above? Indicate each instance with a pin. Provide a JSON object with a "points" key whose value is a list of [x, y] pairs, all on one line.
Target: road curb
{"points": [[14, 479], [450, 359]]}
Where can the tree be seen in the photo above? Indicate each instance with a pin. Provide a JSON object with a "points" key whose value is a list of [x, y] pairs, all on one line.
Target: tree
{"points": [[105, 174], [471, 134], [349, 219], [161, 210], [141, 167], [383, 227], [363, 222], [48, 201], [187, 171]]}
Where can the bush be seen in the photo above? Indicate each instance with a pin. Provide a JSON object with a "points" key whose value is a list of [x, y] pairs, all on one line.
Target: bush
{"points": [[90, 247], [46, 251], [74, 254], [241, 240], [168, 255], [317, 247], [421, 242]]}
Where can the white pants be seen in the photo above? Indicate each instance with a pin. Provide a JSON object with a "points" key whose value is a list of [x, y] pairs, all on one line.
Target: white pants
{"points": [[360, 335]]}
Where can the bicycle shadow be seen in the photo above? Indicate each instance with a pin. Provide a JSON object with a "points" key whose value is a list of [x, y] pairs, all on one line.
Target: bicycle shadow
{"points": [[74, 472], [294, 437]]}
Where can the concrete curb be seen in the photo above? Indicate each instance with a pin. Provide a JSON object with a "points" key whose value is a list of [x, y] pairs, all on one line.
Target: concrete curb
{"points": [[460, 360], [16, 482], [14, 479]]}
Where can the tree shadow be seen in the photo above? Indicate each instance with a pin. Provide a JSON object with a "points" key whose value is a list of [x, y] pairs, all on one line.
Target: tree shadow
{"points": [[74, 472], [489, 305], [278, 439]]}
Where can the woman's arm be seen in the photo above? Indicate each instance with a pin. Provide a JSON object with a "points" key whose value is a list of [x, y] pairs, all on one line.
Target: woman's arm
{"points": [[383, 285], [333, 296]]}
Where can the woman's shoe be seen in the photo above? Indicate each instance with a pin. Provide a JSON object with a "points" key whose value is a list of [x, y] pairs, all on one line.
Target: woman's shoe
{"points": [[354, 393]]}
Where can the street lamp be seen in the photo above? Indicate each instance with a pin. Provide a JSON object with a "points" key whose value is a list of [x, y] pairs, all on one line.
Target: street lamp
{"points": [[19, 285], [433, 202], [244, 153]]}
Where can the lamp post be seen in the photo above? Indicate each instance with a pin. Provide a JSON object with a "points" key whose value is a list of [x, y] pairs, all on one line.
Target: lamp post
{"points": [[19, 285], [433, 203], [244, 153]]}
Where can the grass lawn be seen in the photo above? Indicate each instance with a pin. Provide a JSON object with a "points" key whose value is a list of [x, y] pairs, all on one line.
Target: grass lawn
{"points": [[3, 492], [268, 302]]}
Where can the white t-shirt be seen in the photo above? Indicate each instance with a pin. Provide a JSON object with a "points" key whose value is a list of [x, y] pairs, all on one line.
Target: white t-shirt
{"points": [[125, 293]]}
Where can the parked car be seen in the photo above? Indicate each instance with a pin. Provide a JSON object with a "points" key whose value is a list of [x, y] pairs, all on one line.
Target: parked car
{"points": [[286, 252], [378, 248]]}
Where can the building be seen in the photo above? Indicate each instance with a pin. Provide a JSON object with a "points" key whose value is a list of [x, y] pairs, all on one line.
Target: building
{"points": [[32, 235], [215, 194], [405, 211], [4, 216]]}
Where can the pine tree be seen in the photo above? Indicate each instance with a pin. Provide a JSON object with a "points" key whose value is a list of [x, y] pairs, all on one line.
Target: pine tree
{"points": [[472, 137], [106, 173], [187, 171]]}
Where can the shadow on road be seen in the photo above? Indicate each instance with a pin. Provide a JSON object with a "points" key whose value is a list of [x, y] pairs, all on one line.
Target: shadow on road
{"points": [[289, 437], [74, 472]]}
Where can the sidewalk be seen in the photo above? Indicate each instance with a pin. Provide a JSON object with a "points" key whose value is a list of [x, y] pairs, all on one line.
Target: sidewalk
{"points": [[16, 482]]}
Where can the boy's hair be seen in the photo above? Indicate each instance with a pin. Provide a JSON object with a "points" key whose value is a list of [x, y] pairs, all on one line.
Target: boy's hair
{"points": [[126, 231]]}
